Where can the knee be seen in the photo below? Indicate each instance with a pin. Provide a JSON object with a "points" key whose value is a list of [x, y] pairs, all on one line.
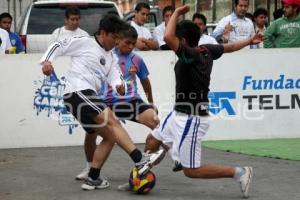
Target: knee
{"points": [[152, 144], [189, 172]]}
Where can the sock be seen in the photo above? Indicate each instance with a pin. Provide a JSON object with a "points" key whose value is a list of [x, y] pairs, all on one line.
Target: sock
{"points": [[94, 173], [136, 155], [239, 171]]}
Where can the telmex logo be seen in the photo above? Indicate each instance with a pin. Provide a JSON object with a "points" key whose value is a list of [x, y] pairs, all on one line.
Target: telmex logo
{"points": [[220, 101]]}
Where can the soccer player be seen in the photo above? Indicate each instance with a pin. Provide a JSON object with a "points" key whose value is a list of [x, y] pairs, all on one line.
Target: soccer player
{"points": [[130, 106], [91, 63], [183, 129]]}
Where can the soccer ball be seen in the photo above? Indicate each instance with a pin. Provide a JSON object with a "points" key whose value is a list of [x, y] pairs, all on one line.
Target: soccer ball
{"points": [[141, 184]]}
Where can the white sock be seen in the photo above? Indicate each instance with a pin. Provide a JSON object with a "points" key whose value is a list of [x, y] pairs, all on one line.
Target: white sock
{"points": [[239, 171]]}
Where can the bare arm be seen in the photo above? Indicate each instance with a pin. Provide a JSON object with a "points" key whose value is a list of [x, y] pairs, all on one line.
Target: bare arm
{"points": [[255, 39], [170, 35], [147, 89], [151, 44]]}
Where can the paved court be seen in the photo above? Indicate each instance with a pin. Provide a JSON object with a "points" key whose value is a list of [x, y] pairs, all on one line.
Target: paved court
{"points": [[48, 173]]}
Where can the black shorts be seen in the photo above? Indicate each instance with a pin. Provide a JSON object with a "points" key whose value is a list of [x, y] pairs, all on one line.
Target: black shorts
{"points": [[85, 105], [130, 110]]}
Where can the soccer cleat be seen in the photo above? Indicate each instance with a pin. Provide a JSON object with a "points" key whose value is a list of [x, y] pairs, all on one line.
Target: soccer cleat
{"points": [[84, 174], [124, 187], [148, 160], [245, 181], [177, 166], [90, 184]]}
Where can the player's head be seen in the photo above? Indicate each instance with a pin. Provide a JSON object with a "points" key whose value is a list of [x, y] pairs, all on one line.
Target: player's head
{"points": [[127, 40], [6, 21], [141, 13], [188, 33], [167, 13], [109, 28], [200, 20], [72, 18], [241, 7]]}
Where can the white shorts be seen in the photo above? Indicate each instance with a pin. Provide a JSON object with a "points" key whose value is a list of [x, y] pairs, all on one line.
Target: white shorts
{"points": [[183, 134]]}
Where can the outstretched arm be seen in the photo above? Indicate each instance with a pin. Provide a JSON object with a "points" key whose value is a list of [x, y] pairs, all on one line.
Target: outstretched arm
{"points": [[170, 33], [255, 39]]}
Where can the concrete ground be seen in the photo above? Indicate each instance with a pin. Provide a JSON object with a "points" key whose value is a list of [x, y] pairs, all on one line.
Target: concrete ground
{"points": [[48, 173]]}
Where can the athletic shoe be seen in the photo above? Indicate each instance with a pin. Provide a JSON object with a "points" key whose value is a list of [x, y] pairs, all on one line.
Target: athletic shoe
{"points": [[177, 166], [124, 187], [148, 160], [90, 184], [245, 181], [84, 174]]}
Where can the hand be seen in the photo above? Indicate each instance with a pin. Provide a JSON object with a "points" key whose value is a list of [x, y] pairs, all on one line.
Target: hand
{"points": [[121, 89], [182, 10], [47, 68], [257, 38], [228, 28]]}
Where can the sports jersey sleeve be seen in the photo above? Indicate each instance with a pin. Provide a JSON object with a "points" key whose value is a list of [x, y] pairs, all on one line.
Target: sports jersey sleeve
{"points": [[67, 47], [143, 72], [215, 50], [114, 76]]}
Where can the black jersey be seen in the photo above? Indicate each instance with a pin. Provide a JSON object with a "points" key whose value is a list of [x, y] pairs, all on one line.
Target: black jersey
{"points": [[192, 73]]}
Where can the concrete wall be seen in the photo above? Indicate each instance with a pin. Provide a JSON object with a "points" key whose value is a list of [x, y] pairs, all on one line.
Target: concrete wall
{"points": [[254, 94]]}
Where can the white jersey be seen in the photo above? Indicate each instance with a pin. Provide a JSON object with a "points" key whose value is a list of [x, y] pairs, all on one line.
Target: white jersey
{"points": [[62, 33], [4, 41], [142, 31], [159, 33], [90, 64], [206, 39]]}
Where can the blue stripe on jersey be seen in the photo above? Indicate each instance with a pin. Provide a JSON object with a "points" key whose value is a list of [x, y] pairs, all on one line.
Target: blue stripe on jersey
{"points": [[186, 130], [192, 153], [166, 120]]}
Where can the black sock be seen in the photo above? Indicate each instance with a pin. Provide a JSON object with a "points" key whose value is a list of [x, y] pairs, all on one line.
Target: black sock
{"points": [[136, 155], [94, 173]]}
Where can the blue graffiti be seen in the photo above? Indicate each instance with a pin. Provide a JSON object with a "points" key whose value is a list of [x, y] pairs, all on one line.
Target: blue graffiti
{"points": [[49, 98], [220, 101]]}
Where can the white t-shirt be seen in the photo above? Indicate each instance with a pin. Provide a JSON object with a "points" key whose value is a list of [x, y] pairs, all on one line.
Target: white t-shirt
{"points": [[90, 64], [159, 33], [62, 33], [206, 39], [4, 41], [142, 31]]}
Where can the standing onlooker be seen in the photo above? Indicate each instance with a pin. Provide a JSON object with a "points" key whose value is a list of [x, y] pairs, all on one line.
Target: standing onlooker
{"points": [[285, 31], [239, 27], [145, 41], [4, 41], [71, 27], [200, 20], [260, 19], [15, 40], [159, 31]]}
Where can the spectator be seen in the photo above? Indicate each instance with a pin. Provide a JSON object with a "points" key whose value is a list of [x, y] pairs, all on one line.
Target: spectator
{"points": [[285, 31], [145, 41], [235, 26], [159, 31], [15, 40], [200, 20], [4, 42], [278, 13], [260, 20], [71, 27]]}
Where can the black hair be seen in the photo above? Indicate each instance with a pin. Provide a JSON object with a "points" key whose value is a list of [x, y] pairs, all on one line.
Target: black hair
{"points": [[129, 32], [236, 2], [72, 11], [111, 23], [260, 11], [278, 13], [166, 9], [200, 16], [141, 5], [249, 16], [189, 31], [5, 15]]}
